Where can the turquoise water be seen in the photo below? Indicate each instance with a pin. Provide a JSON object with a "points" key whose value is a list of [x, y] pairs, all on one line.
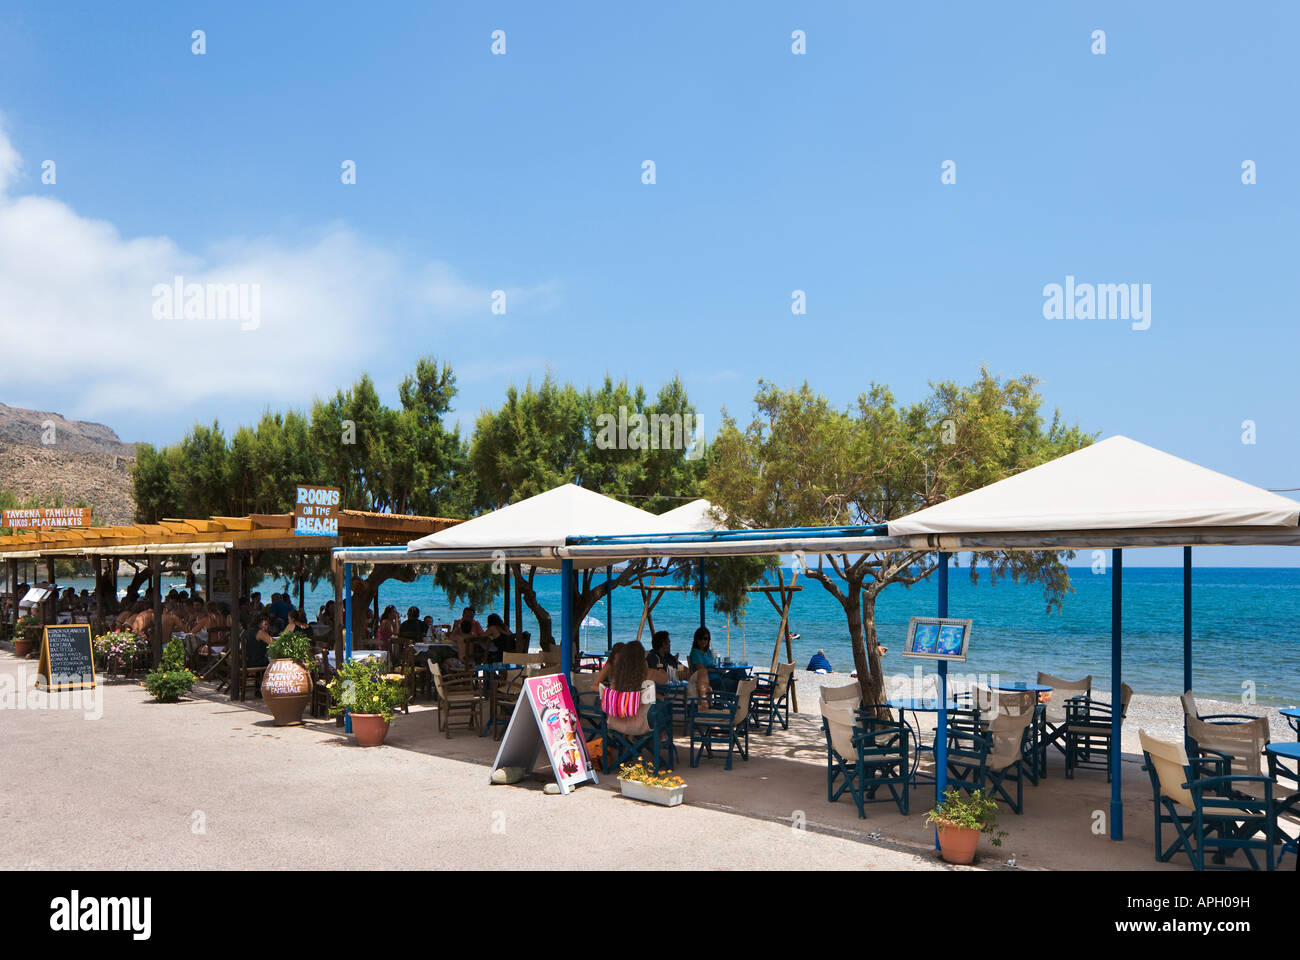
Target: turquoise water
{"points": [[1245, 626]]}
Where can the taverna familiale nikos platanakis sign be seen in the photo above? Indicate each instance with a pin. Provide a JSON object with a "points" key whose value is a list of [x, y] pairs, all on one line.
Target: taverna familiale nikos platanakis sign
{"points": [[316, 512]]}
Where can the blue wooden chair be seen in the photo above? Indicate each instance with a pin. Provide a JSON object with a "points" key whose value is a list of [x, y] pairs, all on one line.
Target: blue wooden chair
{"points": [[990, 755], [863, 754], [1055, 712], [721, 720], [1088, 731], [619, 747], [770, 702], [1209, 814]]}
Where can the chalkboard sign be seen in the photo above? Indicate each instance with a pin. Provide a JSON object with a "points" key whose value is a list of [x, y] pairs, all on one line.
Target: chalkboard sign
{"points": [[67, 660]]}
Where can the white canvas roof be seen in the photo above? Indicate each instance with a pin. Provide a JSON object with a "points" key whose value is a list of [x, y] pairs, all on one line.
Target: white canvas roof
{"points": [[693, 517], [544, 521], [1116, 483]]}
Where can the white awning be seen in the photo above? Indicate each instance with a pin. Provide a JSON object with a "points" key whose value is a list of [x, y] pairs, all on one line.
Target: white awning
{"points": [[693, 517], [1115, 484]]}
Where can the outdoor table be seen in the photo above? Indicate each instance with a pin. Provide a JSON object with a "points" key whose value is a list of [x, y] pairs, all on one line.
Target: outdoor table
{"points": [[1292, 715], [492, 669], [915, 705], [1038, 727], [1288, 751]]}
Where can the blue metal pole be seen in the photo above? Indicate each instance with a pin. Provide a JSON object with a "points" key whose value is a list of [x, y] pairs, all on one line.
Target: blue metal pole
{"points": [[1116, 619], [347, 631], [609, 609], [703, 589], [566, 619], [941, 726], [1187, 619]]}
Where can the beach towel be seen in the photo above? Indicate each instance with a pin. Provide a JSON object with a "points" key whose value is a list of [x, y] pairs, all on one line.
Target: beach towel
{"points": [[616, 703]]}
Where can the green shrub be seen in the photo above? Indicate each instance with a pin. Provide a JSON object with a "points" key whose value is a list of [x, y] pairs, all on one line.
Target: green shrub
{"points": [[292, 645], [172, 678], [362, 686], [980, 813]]}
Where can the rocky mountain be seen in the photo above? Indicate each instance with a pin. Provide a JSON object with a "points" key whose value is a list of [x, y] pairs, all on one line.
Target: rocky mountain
{"points": [[45, 455]]}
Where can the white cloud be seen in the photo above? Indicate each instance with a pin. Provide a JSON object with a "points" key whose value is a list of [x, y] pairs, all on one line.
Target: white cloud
{"points": [[77, 311]]}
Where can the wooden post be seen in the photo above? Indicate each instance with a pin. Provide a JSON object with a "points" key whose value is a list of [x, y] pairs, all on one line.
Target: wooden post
{"points": [[156, 579], [236, 627], [99, 595], [338, 613], [302, 584]]}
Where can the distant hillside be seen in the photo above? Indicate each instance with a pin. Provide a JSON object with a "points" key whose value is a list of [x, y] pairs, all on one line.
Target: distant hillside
{"points": [[86, 460]]}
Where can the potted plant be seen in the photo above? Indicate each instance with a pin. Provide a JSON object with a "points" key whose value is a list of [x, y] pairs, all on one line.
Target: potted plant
{"points": [[172, 678], [287, 683], [27, 635], [639, 782], [116, 651], [361, 688], [961, 821]]}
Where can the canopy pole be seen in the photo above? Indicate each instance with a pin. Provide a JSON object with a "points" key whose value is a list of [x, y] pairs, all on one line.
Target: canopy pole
{"points": [[347, 632], [505, 604], [566, 620], [609, 608], [703, 590], [1187, 619], [1116, 619], [941, 726]]}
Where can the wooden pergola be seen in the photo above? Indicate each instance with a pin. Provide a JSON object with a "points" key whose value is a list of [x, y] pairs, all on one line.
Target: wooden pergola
{"points": [[235, 538]]}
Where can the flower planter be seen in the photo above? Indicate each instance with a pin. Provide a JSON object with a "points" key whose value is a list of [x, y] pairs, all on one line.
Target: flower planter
{"points": [[27, 641], [664, 796], [957, 844], [286, 690], [370, 729]]}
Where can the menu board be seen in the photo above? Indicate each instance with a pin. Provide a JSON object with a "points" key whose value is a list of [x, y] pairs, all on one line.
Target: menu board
{"points": [[550, 722], [316, 512], [937, 638], [67, 659]]}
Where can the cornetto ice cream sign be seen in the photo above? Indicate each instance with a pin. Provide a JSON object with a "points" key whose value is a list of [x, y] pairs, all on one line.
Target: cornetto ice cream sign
{"points": [[316, 512]]}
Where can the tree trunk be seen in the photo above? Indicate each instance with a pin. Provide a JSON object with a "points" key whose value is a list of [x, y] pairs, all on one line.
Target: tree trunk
{"points": [[525, 590], [875, 688], [364, 591]]}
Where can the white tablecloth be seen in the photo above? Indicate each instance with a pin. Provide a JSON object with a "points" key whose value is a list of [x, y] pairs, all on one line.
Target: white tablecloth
{"points": [[359, 655]]}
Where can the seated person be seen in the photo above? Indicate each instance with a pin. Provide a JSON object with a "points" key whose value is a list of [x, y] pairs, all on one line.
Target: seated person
{"points": [[819, 663], [498, 636], [467, 617], [626, 692], [256, 638], [661, 662], [280, 607], [412, 629], [702, 656], [603, 673]]}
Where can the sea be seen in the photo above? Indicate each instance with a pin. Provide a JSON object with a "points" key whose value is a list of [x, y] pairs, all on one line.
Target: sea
{"points": [[1245, 626]]}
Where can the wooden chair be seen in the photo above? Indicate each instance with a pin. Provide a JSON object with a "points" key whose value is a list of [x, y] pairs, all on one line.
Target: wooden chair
{"points": [[987, 760], [1088, 731], [863, 754], [723, 720], [456, 694], [509, 685], [771, 700]]}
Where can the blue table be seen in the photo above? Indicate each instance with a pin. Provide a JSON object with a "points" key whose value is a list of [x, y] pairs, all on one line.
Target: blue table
{"points": [[1292, 715], [915, 705], [1286, 751], [492, 669]]}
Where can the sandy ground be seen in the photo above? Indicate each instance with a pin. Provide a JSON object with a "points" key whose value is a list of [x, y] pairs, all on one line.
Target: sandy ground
{"points": [[211, 784]]}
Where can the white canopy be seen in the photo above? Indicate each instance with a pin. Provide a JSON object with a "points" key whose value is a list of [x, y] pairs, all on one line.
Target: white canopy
{"points": [[1116, 483], [693, 517], [543, 521]]}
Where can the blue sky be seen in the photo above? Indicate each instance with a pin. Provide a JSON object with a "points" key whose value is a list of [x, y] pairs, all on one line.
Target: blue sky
{"points": [[775, 173]]}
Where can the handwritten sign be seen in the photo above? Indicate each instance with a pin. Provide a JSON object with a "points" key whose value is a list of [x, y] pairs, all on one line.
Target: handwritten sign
{"points": [[43, 518], [554, 726], [67, 659], [316, 512]]}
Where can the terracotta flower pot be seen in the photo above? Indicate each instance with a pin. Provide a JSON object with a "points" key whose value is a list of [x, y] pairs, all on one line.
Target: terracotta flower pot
{"points": [[27, 641], [957, 844], [286, 690], [370, 729]]}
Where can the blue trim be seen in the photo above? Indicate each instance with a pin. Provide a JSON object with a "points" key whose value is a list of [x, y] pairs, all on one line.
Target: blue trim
{"points": [[722, 536], [1116, 713], [566, 620], [1187, 619], [347, 632], [941, 728]]}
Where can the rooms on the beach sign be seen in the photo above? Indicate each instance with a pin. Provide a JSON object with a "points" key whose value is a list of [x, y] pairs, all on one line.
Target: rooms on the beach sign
{"points": [[316, 512]]}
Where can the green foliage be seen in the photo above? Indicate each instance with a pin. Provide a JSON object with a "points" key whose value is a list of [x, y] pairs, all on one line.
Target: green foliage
{"points": [[172, 679], [361, 686], [803, 462], [292, 645], [400, 460], [979, 812]]}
